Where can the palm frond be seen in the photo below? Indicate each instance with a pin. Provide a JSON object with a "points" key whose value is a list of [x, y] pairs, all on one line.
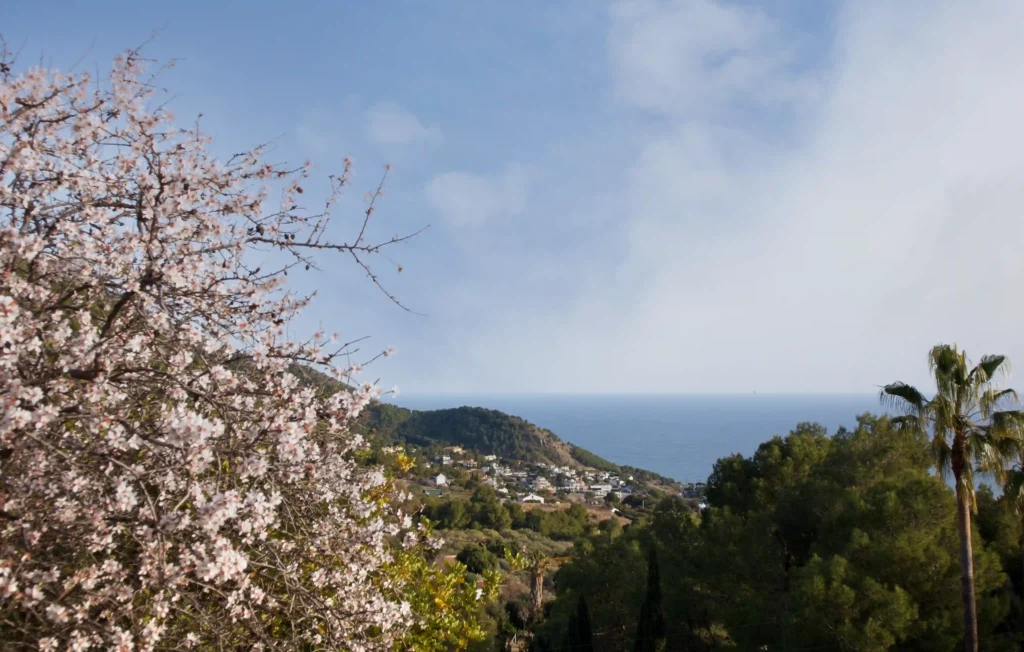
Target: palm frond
{"points": [[943, 455], [989, 366], [909, 422], [943, 412], [1013, 486], [990, 452], [903, 397], [991, 399], [948, 366], [1008, 424]]}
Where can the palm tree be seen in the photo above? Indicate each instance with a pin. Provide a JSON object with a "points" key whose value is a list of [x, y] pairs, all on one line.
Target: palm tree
{"points": [[968, 430], [540, 564]]}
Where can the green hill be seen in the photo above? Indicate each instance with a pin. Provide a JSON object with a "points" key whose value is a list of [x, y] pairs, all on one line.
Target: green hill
{"points": [[489, 432], [485, 431], [482, 430]]}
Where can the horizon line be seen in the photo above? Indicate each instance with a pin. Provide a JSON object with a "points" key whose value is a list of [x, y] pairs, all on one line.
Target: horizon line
{"points": [[405, 393]]}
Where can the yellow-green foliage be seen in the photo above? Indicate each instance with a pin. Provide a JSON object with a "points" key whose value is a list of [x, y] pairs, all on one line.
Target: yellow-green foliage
{"points": [[446, 600]]}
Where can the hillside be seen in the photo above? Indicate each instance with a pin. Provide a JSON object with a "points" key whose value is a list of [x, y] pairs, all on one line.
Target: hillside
{"points": [[482, 430], [488, 432], [485, 431]]}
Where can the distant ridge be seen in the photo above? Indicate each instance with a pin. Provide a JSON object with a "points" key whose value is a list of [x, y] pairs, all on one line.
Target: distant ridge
{"points": [[489, 432], [486, 431]]}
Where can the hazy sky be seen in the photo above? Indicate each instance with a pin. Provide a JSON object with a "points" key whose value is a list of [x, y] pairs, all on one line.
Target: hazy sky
{"points": [[677, 195]]}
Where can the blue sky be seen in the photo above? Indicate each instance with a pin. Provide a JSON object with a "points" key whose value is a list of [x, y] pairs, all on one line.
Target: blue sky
{"points": [[627, 196]]}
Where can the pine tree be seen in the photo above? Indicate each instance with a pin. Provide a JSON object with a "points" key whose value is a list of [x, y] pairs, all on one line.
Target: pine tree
{"points": [[650, 630]]}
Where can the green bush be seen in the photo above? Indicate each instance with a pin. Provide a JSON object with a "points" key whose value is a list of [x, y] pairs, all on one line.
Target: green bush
{"points": [[477, 559]]}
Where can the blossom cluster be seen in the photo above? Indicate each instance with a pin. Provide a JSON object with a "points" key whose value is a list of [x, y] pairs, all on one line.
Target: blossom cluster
{"points": [[166, 479]]}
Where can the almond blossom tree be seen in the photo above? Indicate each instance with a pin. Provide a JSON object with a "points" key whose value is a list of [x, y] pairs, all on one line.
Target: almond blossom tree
{"points": [[165, 482]]}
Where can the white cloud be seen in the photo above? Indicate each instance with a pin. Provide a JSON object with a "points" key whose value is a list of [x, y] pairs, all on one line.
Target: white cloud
{"points": [[390, 124], [830, 261], [321, 131], [465, 199], [311, 140], [689, 57]]}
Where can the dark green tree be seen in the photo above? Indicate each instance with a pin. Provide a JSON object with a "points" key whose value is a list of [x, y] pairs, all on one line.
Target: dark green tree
{"points": [[454, 515], [580, 635], [968, 430], [477, 559], [516, 513], [846, 542], [650, 630], [488, 511]]}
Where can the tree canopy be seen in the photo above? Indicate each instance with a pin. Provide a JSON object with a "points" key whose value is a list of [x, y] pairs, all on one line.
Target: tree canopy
{"points": [[846, 542]]}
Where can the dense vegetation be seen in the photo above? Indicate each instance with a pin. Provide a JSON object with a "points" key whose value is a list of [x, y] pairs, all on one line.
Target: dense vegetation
{"points": [[846, 542], [486, 511], [483, 430]]}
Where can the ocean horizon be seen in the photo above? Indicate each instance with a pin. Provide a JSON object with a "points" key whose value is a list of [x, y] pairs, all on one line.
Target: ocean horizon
{"points": [[680, 436]]}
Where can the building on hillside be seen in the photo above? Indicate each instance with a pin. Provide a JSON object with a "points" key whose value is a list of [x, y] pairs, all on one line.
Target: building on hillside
{"points": [[531, 498], [600, 490], [540, 483], [572, 484], [490, 458], [490, 482], [440, 480], [443, 460]]}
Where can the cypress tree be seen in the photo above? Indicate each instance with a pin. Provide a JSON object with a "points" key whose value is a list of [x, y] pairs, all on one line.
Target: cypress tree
{"points": [[580, 637], [650, 630]]}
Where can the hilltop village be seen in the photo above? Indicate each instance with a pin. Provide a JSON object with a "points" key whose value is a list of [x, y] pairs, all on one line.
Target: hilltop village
{"points": [[456, 469]]}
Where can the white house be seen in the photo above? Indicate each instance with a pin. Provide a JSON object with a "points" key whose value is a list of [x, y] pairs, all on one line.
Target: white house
{"points": [[600, 489], [440, 480], [572, 484], [540, 482], [531, 498]]}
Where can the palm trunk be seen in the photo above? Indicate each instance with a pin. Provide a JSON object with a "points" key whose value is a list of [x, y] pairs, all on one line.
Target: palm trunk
{"points": [[963, 522], [537, 589]]}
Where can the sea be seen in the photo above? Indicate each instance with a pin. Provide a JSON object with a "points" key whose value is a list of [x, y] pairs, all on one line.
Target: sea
{"points": [[678, 436]]}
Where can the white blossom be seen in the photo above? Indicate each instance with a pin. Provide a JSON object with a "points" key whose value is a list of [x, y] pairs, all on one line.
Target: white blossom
{"points": [[160, 458]]}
